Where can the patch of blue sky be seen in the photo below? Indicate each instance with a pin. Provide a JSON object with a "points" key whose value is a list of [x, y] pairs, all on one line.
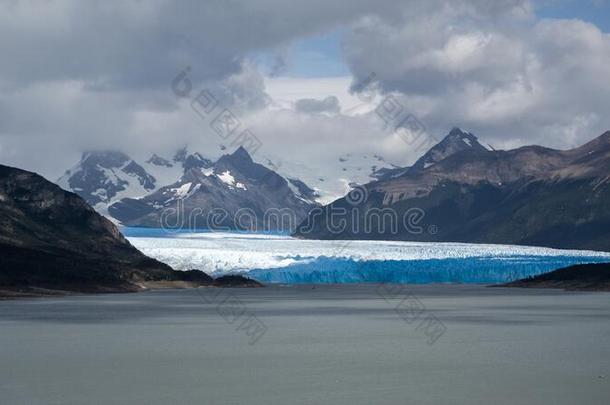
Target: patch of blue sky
{"points": [[314, 56], [596, 12]]}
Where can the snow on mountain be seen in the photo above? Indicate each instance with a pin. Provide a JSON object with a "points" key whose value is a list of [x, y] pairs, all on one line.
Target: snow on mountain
{"points": [[249, 196], [104, 177], [164, 170], [336, 178]]}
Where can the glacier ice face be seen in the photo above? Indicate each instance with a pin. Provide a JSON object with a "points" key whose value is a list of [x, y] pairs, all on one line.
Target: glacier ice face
{"points": [[282, 259], [453, 270]]}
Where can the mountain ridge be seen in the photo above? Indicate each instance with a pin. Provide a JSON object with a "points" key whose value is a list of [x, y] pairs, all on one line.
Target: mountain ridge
{"points": [[529, 195], [233, 193], [121, 189]]}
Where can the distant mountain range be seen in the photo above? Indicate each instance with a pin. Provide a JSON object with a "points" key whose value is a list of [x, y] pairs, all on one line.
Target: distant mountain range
{"points": [[105, 177], [232, 193], [458, 191], [461, 191]]}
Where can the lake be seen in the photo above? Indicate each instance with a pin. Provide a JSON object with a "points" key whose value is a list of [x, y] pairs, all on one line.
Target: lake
{"points": [[325, 344]]}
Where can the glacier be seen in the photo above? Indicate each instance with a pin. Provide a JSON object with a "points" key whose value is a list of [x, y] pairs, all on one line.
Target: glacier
{"points": [[276, 258]]}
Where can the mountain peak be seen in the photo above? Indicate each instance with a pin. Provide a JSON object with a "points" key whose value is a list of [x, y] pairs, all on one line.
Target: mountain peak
{"points": [[240, 158], [458, 131], [459, 135], [195, 160], [456, 141], [106, 158], [101, 175], [241, 153], [180, 155], [158, 161]]}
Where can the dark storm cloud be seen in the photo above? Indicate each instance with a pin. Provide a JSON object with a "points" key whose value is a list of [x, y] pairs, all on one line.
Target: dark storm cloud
{"points": [[139, 43], [80, 74]]}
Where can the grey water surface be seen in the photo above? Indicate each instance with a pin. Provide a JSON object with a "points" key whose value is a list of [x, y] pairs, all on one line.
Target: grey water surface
{"points": [[347, 344]]}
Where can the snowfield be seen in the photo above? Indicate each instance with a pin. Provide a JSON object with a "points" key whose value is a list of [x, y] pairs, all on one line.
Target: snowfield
{"points": [[282, 259]]}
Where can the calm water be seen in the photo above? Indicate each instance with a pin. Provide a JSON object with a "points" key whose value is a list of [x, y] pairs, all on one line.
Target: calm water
{"points": [[324, 345]]}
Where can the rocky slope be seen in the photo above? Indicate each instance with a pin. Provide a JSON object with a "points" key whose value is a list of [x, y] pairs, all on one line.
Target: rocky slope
{"points": [[531, 195], [52, 239]]}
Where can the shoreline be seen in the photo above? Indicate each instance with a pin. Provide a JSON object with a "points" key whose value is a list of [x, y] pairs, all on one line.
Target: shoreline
{"points": [[41, 293], [140, 287]]}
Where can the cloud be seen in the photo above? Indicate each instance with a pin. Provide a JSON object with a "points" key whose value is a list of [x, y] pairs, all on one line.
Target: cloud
{"points": [[509, 77], [132, 43], [80, 75], [280, 63], [310, 105]]}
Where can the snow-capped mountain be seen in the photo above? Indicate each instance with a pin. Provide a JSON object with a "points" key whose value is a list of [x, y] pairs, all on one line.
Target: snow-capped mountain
{"points": [[102, 178], [232, 193], [105, 178], [99, 177]]}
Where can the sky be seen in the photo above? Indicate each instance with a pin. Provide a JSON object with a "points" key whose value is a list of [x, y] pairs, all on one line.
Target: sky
{"points": [[84, 75]]}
